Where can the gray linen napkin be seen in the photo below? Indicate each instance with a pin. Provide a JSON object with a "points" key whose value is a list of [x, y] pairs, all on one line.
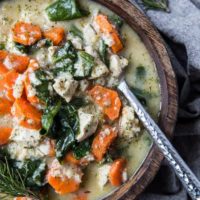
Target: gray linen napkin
{"points": [[181, 31]]}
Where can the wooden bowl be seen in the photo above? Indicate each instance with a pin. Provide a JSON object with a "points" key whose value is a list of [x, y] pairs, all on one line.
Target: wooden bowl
{"points": [[156, 47]]}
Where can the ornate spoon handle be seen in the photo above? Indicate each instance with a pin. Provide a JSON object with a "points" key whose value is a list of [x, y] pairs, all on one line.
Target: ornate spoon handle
{"points": [[186, 176]]}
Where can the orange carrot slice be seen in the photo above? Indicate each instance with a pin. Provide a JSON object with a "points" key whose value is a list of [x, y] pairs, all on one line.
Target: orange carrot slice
{"points": [[3, 55], [56, 35], [63, 185], [17, 62], [26, 33], [9, 95], [116, 171], [32, 67], [5, 133], [5, 106], [107, 28], [27, 114], [71, 159], [3, 69], [102, 141], [108, 100]]}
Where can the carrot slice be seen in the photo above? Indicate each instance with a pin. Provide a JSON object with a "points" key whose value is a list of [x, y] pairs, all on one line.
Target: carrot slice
{"points": [[63, 185], [3, 55], [33, 65], [107, 28], [56, 35], [23, 198], [28, 115], [5, 133], [5, 106], [116, 171], [102, 141], [71, 159], [108, 100], [17, 62], [26, 33], [9, 95], [3, 69]]}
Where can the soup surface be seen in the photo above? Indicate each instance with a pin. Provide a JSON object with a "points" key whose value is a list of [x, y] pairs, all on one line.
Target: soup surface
{"points": [[85, 59]]}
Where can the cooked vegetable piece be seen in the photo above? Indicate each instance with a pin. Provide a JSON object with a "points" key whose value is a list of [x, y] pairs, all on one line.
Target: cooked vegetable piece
{"points": [[2, 46], [17, 62], [116, 20], [84, 65], [5, 106], [56, 35], [103, 52], [28, 115], [3, 69], [108, 100], [9, 95], [26, 33], [116, 172], [107, 28], [3, 55], [63, 185], [49, 115], [102, 141], [65, 10], [5, 133], [65, 52], [81, 149], [8, 79], [76, 32], [34, 170], [22, 48], [140, 72], [32, 98], [81, 196]]}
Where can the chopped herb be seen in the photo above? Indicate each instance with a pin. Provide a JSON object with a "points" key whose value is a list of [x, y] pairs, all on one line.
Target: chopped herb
{"points": [[156, 4], [65, 10], [13, 182]]}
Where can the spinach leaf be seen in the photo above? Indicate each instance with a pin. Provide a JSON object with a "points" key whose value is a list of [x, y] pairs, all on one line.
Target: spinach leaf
{"points": [[140, 95], [68, 128], [49, 115], [103, 52], [65, 52], [76, 32], [86, 62], [81, 149], [65, 10], [33, 172], [2, 46], [116, 20], [22, 48], [78, 102]]}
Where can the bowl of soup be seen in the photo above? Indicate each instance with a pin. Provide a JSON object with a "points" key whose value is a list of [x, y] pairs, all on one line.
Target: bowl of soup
{"points": [[66, 132]]}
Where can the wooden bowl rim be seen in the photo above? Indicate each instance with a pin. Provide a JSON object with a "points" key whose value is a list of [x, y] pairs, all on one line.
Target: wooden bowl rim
{"points": [[169, 100]]}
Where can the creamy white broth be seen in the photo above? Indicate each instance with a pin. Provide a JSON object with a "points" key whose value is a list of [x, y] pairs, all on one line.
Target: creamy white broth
{"points": [[33, 11]]}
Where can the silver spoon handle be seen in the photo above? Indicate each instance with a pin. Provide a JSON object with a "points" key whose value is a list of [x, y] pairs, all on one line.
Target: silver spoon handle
{"points": [[186, 176]]}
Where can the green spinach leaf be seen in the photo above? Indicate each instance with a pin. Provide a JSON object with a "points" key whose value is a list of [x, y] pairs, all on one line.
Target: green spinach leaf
{"points": [[81, 149], [76, 32], [2, 46], [65, 52], [103, 52], [65, 10], [141, 72], [22, 48], [48, 116], [85, 64], [117, 21]]}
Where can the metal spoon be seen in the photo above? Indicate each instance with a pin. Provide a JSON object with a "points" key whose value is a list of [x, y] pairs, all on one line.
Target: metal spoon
{"points": [[183, 172]]}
